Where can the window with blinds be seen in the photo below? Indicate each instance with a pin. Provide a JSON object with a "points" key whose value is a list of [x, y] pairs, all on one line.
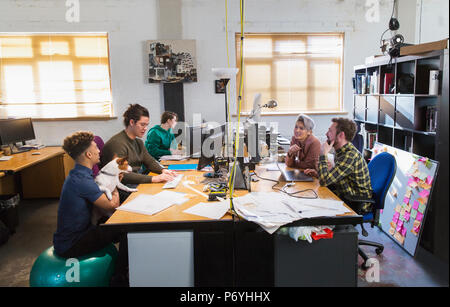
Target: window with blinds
{"points": [[55, 76], [303, 72]]}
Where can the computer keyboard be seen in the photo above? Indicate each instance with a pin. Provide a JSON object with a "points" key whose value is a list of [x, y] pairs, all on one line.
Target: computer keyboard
{"points": [[173, 184]]}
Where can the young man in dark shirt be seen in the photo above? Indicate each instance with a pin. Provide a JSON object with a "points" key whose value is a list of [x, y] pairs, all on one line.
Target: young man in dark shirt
{"points": [[75, 236]]}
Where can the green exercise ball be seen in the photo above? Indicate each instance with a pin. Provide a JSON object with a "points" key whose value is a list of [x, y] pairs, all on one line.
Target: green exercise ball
{"points": [[92, 270]]}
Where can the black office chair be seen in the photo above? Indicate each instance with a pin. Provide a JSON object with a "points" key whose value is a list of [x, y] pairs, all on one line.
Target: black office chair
{"points": [[382, 170]]}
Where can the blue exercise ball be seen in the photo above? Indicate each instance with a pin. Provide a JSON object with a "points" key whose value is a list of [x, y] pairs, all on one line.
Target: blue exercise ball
{"points": [[91, 270]]}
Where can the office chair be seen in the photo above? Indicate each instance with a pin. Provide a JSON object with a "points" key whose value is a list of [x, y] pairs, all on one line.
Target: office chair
{"points": [[99, 141], [382, 170]]}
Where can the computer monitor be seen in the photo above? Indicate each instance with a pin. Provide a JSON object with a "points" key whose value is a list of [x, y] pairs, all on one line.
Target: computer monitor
{"points": [[16, 130], [215, 138]]}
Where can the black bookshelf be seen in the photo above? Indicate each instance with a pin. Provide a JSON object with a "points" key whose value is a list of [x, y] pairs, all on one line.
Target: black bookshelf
{"points": [[392, 105]]}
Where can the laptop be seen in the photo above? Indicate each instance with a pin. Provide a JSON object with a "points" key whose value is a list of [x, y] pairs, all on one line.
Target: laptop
{"points": [[294, 175]]}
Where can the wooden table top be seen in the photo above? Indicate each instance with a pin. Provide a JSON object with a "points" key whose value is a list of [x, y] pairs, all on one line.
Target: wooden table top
{"points": [[26, 159], [176, 214]]}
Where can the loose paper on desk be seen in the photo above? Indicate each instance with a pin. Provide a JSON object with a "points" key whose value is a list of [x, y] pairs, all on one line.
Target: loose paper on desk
{"points": [[5, 158], [265, 209], [152, 204], [212, 210], [316, 207], [173, 158]]}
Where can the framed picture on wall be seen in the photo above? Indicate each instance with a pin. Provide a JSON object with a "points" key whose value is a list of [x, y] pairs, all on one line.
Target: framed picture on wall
{"points": [[172, 61]]}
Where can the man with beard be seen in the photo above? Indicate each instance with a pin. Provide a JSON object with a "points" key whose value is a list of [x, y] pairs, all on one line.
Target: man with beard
{"points": [[350, 175]]}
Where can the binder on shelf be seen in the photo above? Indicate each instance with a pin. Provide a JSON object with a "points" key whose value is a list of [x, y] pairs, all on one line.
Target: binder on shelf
{"points": [[431, 119], [388, 82]]}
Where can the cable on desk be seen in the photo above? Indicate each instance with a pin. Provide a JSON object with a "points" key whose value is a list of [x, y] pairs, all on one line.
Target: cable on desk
{"points": [[292, 194]]}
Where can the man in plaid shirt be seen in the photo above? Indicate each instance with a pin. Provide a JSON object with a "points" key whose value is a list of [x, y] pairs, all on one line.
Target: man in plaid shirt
{"points": [[350, 175]]}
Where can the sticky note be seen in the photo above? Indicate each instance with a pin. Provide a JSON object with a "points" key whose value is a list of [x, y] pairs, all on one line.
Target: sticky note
{"points": [[414, 232], [400, 223], [398, 208], [411, 181], [393, 225], [399, 228], [399, 238], [424, 193], [408, 208], [402, 212], [403, 232], [407, 215], [391, 231], [422, 200], [423, 176], [422, 159], [413, 214], [419, 216], [395, 220], [429, 180], [408, 193], [396, 215], [416, 224], [421, 208], [415, 205], [406, 200]]}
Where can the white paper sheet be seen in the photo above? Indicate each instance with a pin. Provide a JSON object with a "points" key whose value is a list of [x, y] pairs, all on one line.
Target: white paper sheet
{"points": [[212, 210]]}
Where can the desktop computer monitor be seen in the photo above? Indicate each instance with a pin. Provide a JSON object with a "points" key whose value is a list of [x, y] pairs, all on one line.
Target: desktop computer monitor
{"points": [[16, 130], [215, 138]]}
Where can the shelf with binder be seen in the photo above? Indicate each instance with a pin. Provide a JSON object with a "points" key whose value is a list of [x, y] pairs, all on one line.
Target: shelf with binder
{"points": [[410, 112]]}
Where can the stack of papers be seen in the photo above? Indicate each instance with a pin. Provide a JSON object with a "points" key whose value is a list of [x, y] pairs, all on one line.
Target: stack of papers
{"points": [[272, 210], [173, 158], [152, 204], [267, 209], [212, 210], [5, 158]]}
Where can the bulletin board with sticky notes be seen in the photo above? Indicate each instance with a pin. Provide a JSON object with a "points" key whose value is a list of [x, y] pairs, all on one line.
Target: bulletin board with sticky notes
{"points": [[408, 198]]}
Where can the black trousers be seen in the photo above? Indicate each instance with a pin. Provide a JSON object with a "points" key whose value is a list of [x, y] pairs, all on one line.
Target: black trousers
{"points": [[98, 238]]}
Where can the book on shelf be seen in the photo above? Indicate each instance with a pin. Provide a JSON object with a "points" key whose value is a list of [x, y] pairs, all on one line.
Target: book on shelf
{"points": [[388, 83], [360, 83], [371, 138], [431, 119]]}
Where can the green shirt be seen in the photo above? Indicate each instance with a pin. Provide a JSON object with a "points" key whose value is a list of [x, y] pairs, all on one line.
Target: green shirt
{"points": [[159, 141]]}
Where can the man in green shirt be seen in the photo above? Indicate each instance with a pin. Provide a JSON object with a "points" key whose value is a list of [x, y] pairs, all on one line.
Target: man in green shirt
{"points": [[160, 139], [127, 143]]}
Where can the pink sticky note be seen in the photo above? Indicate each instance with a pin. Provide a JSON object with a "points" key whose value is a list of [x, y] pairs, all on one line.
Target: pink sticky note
{"points": [[429, 180], [416, 179], [406, 216], [416, 229], [410, 181], [381, 211], [419, 216], [406, 200], [424, 193], [400, 223], [396, 215], [399, 228], [395, 220], [403, 232], [416, 205], [422, 159]]}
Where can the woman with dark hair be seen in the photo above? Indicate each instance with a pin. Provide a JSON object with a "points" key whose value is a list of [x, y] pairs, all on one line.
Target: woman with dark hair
{"points": [[160, 139]]}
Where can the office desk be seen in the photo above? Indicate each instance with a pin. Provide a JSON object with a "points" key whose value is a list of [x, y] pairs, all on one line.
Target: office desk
{"points": [[35, 176], [229, 251]]}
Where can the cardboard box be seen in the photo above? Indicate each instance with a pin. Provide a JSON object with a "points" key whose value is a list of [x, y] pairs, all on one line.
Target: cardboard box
{"points": [[421, 48]]}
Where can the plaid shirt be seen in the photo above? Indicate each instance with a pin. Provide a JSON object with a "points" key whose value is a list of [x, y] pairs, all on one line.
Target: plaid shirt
{"points": [[349, 176]]}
